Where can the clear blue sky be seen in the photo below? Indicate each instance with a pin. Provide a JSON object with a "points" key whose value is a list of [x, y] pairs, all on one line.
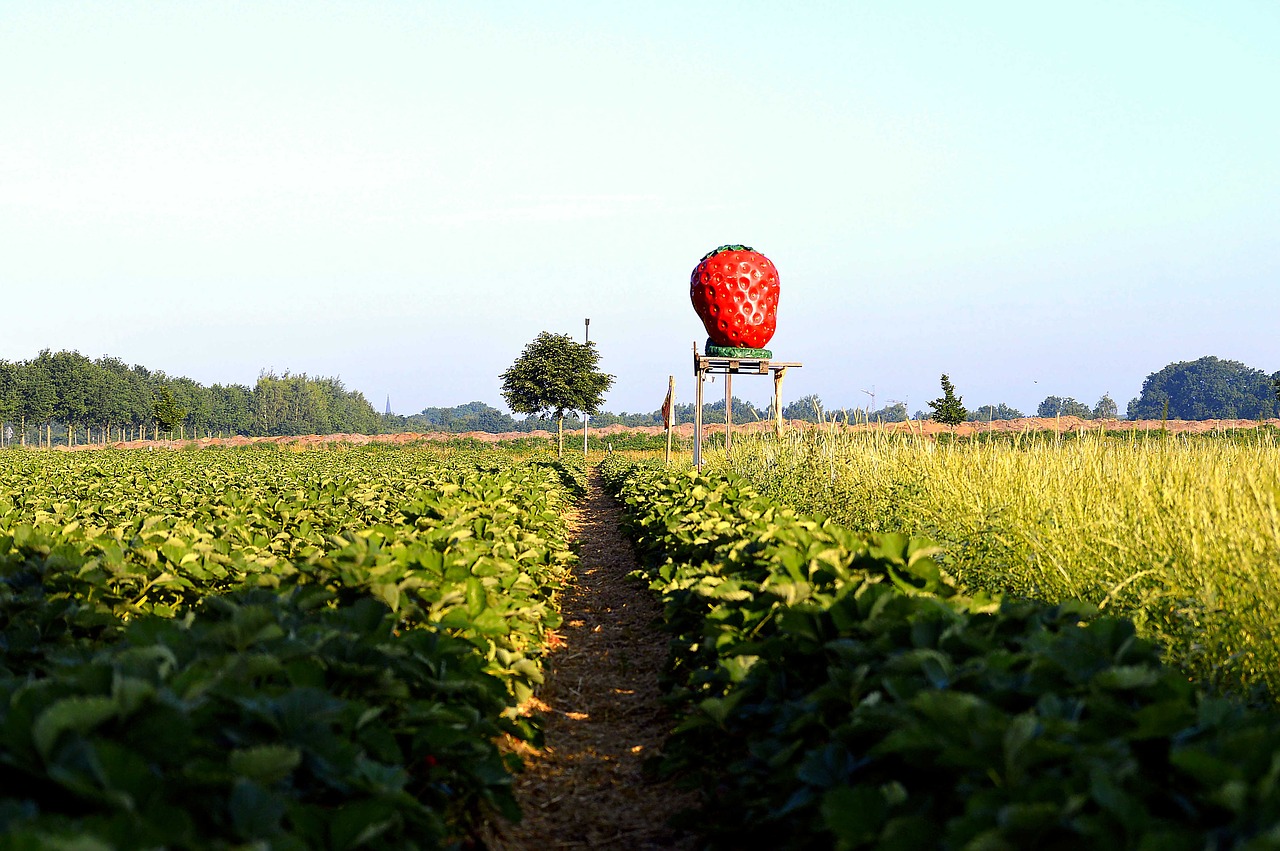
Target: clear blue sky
{"points": [[1034, 198]]}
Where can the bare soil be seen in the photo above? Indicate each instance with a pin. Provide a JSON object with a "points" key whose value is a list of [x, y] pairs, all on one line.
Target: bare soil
{"points": [[586, 788]]}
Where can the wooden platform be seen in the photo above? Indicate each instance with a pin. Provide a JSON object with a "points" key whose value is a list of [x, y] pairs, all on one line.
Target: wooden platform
{"points": [[704, 365]]}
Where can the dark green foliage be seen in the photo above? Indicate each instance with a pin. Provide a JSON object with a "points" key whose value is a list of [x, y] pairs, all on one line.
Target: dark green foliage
{"points": [[295, 403], [835, 690], [949, 409], [1060, 406], [806, 408], [167, 412], [1208, 388], [1106, 409], [553, 375], [894, 412], [810, 409], [10, 392], [105, 395], [256, 718], [990, 413], [714, 412], [478, 416], [206, 650], [473, 416]]}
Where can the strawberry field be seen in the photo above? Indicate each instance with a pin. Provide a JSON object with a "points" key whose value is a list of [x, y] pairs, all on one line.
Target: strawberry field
{"points": [[326, 648], [836, 689], [269, 649]]}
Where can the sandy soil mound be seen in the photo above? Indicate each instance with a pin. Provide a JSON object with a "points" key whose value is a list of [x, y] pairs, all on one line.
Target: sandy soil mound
{"points": [[926, 427]]}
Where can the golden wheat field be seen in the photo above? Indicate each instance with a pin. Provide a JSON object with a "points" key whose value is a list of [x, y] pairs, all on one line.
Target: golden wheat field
{"points": [[1179, 532]]}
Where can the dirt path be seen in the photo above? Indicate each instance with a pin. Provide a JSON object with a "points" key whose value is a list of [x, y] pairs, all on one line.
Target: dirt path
{"points": [[604, 716]]}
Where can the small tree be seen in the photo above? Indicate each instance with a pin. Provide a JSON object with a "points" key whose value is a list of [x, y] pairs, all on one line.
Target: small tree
{"points": [[1063, 406], [167, 411], [949, 410], [1106, 409], [554, 375]]}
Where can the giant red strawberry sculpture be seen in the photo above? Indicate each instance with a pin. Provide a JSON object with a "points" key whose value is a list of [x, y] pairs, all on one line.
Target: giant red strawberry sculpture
{"points": [[735, 293]]}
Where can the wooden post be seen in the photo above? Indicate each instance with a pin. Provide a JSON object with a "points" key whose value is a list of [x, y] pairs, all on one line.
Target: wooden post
{"points": [[729, 366], [671, 412], [697, 411], [728, 410], [778, 375]]}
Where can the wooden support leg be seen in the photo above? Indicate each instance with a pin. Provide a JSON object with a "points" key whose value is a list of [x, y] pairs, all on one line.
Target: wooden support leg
{"points": [[697, 420], [778, 375], [728, 410], [671, 396]]}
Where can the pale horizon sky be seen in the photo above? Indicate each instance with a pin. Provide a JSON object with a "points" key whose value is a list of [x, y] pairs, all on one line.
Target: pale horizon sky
{"points": [[1032, 199]]}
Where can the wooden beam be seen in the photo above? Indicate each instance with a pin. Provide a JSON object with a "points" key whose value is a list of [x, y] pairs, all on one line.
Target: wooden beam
{"points": [[671, 412], [778, 375], [697, 409], [728, 410]]}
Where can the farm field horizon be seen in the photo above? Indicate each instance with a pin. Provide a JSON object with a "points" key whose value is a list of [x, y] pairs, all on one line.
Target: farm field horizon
{"points": [[1031, 425], [1173, 523], [226, 557]]}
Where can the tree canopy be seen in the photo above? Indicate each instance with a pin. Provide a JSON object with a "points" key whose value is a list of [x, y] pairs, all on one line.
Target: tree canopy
{"points": [[1064, 406], [949, 408], [101, 398], [1206, 389], [989, 413], [555, 374], [472, 416], [807, 409]]}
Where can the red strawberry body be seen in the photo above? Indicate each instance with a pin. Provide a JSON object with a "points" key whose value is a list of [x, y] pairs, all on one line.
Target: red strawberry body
{"points": [[735, 293]]}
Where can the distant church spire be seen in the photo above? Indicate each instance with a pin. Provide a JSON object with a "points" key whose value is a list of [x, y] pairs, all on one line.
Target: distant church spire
{"points": [[388, 404]]}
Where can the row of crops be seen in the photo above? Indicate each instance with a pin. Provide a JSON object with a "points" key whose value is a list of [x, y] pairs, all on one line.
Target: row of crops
{"points": [[235, 649], [1182, 534], [836, 689]]}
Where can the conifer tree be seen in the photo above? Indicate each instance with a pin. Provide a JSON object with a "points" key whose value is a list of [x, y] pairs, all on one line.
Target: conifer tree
{"points": [[948, 410]]}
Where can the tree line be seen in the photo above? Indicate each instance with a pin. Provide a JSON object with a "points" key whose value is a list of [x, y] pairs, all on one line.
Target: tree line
{"points": [[1206, 388], [66, 398]]}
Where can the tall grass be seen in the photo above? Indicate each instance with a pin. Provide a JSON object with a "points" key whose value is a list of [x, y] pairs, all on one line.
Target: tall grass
{"points": [[1181, 534]]}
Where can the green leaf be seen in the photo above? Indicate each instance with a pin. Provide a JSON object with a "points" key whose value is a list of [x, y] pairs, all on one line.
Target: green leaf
{"points": [[255, 813], [77, 714], [360, 823], [490, 622], [830, 766], [1125, 677], [855, 814], [265, 763]]}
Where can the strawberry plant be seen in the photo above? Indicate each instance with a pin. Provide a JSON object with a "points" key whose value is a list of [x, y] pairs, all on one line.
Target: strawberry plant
{"points": [[256, 718], [837, 689], [336, 638]]}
